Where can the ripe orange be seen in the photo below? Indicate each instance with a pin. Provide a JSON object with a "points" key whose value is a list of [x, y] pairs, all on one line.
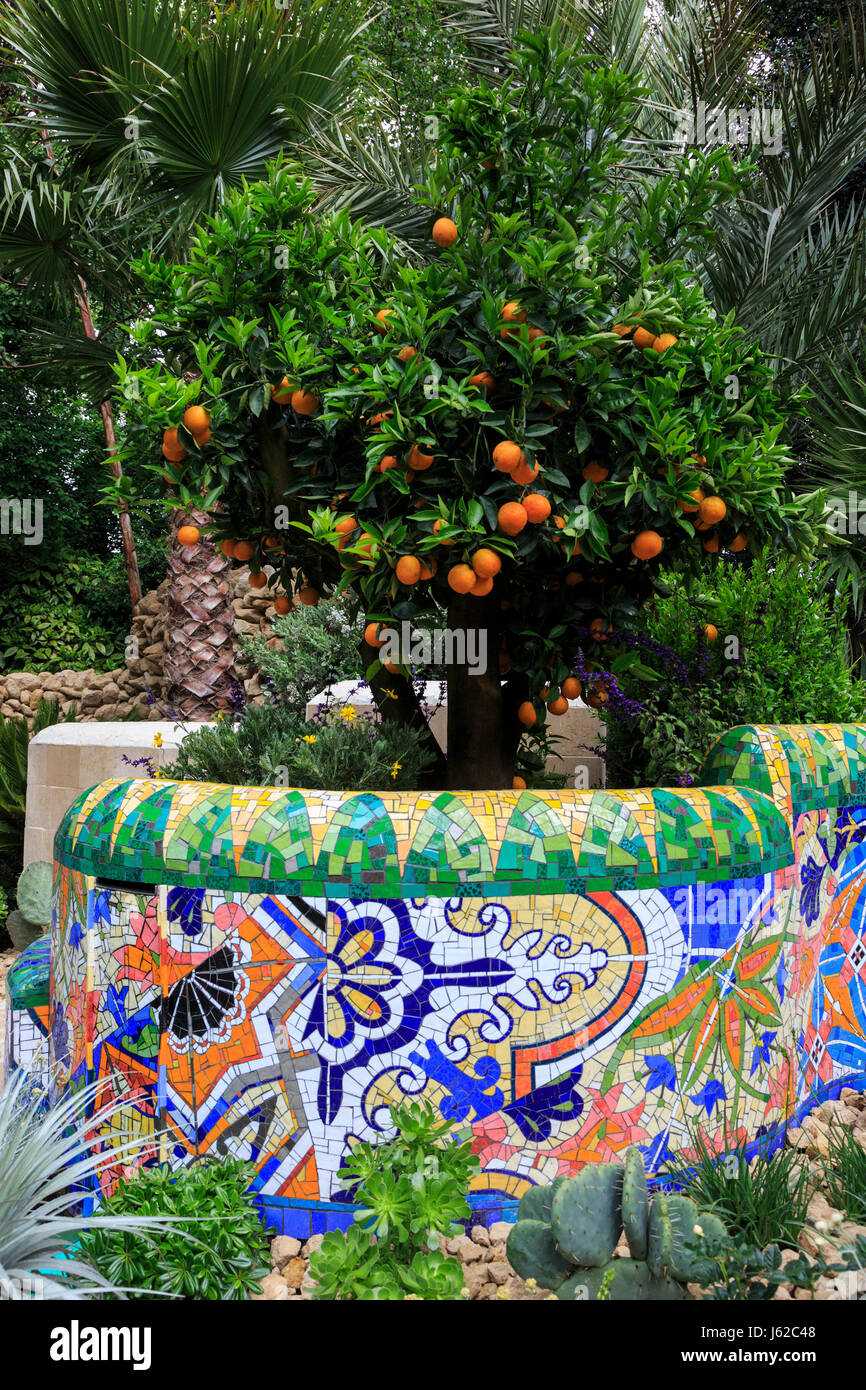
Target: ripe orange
{"points": [[643, 338], [518, 784], [305, 402], [461, 578], [711, 632], [712, 511], [407, 353], [697, 497], [436, 528], [371, 635], [445, 232], [382, 320], [308, 595], [536, 506], [507, 456], [284, 392], [188, 535], [712, 545], [738, 543], [481, 588], [698, 458], [172, 447], [663, 342], [512, 518], [572, 578], [243, 551], [380, 416], [559, 705], [283, 604], [526, 714], [196, 419], [598, 631], [597, 698], [388, 461], [525, 473], [258, 581], [622, 330], [428, 569], [418, 460], [571, 687], [485, 381], [595, 472], [486, 563], [389, 666], [408, 569], [512, 313], [646, 545], [367, 545], [202, 438], [344, 529], [228, 548]]}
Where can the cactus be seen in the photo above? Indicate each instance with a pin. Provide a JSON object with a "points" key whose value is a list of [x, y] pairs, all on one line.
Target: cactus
{"points": [[21, 931], [33, 893], [635, 1203], [536, 1204], [587, 1214], [697, 1262], [660, 1241], [532, 1254], [631, 1281]]}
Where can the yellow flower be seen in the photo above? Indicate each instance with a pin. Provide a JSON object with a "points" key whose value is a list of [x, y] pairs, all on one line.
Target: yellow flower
{"points": [[309, 738], [157, 740], [394, 770], [392, 694], [348, 712]]}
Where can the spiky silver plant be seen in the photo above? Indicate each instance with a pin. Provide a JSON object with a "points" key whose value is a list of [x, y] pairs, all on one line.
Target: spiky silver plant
{"points": [[45, 1161]]}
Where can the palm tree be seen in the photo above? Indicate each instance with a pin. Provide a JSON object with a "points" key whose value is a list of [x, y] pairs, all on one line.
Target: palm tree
{"points": [[139, 119]]}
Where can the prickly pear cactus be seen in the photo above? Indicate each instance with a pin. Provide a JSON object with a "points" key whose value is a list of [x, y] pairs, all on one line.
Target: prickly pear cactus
{"points": [[532, 1254], [587, 1214], [697, 1236], [537, 1203], [34, 893], [631, 1281], [635, 1203], [660, 1241]]}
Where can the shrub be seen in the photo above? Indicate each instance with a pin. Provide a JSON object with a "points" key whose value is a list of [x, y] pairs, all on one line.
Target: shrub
{"points": [[218, 1250], [844, 1172], [410, 1193], [761, 1200], [780, 657], [352, 752], [321, 646]]}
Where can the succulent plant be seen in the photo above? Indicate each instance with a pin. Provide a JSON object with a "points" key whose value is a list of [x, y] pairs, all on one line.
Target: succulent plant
{"points": [[537, 1203], [33, 893], [532, 1253], [587, 1214], [21, 931], [566, 1234], [635, 1203]]}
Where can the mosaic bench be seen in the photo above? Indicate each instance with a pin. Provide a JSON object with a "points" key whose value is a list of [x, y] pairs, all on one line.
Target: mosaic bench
{"points": [[260, 972]]}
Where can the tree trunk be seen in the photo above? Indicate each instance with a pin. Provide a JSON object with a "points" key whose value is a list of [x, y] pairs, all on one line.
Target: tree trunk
{"points": [[396, 700], [130, 557], [481, 723], [200, 650]]}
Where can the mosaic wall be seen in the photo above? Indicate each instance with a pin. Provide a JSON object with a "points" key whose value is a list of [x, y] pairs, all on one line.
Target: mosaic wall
{"points": [[261, 972]]}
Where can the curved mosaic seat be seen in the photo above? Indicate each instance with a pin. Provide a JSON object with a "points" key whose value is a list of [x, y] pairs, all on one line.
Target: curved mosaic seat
{"points": [[262, 972]]}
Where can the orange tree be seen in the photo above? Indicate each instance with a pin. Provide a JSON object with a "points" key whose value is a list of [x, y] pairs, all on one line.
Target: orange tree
{"points": [[506, 438]]}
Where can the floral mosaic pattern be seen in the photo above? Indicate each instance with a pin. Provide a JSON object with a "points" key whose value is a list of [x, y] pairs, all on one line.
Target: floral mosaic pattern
{"points": [[553, 1025]]}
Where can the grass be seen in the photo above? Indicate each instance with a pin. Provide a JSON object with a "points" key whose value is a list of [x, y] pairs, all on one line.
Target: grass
{"points": [[762, 1202], [844, 1176]]}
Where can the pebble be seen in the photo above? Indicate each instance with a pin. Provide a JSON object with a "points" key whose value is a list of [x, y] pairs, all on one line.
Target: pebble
{"points": [[283, 1249], [480, 1235]]}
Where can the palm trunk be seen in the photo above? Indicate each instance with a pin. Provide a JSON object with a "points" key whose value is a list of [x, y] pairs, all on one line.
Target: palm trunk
{"points": [[200, 650], [130, 557]]}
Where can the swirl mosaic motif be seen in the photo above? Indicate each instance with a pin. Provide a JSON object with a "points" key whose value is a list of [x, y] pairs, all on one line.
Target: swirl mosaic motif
{"points": [[261, 972]]}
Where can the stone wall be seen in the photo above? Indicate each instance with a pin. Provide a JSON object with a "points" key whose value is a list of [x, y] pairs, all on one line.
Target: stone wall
{"points": [[122, 693]]}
